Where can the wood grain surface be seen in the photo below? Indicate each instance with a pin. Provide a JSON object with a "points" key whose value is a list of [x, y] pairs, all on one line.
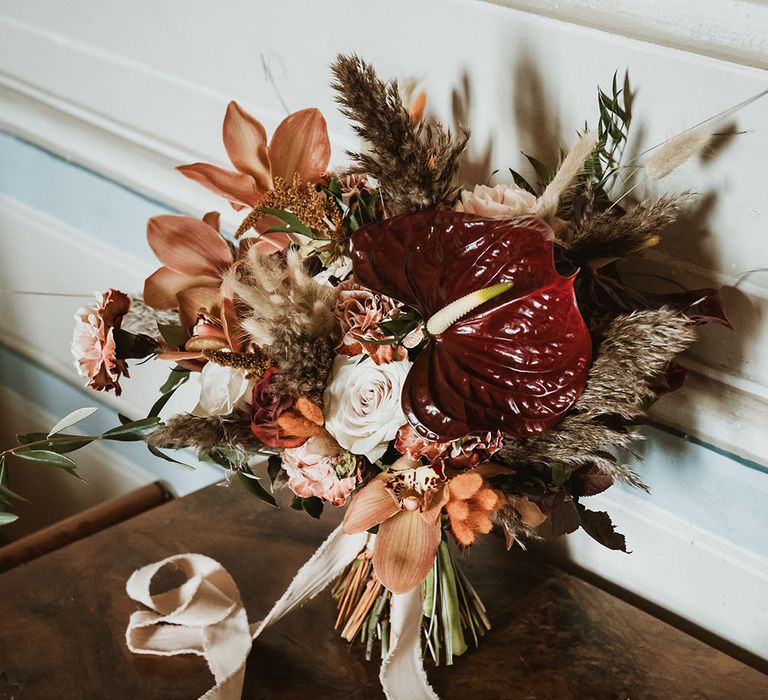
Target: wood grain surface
{"points": [[63, 618]]}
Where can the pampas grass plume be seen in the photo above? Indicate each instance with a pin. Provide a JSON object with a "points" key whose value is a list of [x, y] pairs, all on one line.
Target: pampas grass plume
{"points": [[673, 153], [546, 205]]}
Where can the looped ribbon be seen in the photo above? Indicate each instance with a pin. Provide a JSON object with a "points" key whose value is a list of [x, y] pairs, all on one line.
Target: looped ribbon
{"points": [[205, 616]]}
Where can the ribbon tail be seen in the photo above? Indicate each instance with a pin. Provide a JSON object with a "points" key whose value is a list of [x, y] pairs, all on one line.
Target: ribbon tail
{"points": [[205, 616], [338, 550], [402, 672]]}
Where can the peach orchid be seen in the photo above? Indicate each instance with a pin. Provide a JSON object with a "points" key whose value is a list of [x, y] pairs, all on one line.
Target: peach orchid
{"points": [[405, 502], [195, 258], [299, 146]]}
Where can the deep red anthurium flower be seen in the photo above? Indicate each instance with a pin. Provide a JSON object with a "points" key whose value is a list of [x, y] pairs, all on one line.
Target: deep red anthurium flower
{"points": [[515, 362]]}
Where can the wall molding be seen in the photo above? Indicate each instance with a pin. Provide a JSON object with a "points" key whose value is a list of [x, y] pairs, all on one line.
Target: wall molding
{"points": [[678, 566], [732, 30], [140, 152]]}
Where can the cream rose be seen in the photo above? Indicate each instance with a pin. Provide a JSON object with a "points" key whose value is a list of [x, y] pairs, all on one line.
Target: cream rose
{"points": [[362, 404], [221, 389], [499, 202]]}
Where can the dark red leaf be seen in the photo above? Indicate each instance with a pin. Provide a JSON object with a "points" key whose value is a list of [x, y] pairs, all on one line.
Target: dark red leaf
{"points": [[589, 480], [598, 525], [563, 516], [608, 296], [516, 363]]}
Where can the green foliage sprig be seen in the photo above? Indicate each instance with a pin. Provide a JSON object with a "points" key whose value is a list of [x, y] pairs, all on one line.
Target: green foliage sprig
{"points": [[53, 447]]}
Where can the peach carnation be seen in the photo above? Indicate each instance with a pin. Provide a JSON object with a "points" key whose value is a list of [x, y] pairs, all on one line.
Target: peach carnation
{"points": [[320, 467], [359, 311], [93, 341]]}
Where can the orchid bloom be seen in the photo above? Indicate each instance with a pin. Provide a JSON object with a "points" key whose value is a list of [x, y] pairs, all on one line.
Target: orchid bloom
{"points": [[405, 502], [299, 146], [194, 257]]}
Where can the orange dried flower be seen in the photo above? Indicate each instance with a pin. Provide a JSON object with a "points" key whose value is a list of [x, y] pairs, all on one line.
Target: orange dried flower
{"points": [[304, 419], [471, 505]]}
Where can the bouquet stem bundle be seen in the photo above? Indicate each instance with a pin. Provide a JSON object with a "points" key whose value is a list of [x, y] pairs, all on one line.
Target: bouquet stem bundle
{"points": [[453, 613]]}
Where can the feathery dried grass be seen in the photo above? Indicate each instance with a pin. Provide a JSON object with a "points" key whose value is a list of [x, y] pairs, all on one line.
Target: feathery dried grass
{"points": [[565, 177], [415, 162], [204, 433], [610, 234], [635, 349], [143, 319], [276, 292], [674, 152], [304, 360], [288, 311]]}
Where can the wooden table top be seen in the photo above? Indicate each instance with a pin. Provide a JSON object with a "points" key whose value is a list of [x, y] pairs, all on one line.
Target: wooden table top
{"points": [[63, 618]]}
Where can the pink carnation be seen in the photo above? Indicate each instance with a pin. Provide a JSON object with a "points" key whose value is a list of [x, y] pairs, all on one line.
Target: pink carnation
{"points": [[359, 310], [409, 442], [320, 468], [93, 341], [466, 453], [474, 449]]}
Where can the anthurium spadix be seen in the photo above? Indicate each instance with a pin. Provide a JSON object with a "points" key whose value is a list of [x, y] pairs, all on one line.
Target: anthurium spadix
{"points": [[507, 348]]}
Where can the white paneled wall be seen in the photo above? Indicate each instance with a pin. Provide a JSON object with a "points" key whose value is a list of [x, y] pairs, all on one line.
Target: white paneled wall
{"points": [[136, 89], [129, 90]]}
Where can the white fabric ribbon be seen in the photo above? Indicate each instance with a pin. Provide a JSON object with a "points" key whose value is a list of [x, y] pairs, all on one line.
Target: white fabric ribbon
{"points": [[205, 616], [402, 672]]}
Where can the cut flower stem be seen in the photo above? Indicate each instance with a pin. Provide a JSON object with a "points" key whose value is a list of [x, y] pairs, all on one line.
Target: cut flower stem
{"points": [[453, 614]]}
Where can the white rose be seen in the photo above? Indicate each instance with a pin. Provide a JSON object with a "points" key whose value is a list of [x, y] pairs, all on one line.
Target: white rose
{"points": [[362, 404], [499, 202], [221, 388]]}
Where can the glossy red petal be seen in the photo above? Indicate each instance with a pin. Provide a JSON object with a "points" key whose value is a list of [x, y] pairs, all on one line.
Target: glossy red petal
{"points": [[246, 143], [300, 146], [516, 363]]}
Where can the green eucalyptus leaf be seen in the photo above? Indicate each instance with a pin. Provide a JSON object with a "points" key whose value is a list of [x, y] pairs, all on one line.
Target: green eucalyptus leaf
{"points": [[274, 467], [521, 182], [173, 334], [47, 456], [8, 518], [176, 378], [253, 484], [560, 473], [293, 223], [227, 457], [7, 493], [61, 442], [133, 431], [155, 451], [313, 506], [160, 403], [544, 172], [70, 419]]}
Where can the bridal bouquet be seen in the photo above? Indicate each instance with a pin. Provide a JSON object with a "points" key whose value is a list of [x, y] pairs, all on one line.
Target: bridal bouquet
{"points": [[443, 359]]}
